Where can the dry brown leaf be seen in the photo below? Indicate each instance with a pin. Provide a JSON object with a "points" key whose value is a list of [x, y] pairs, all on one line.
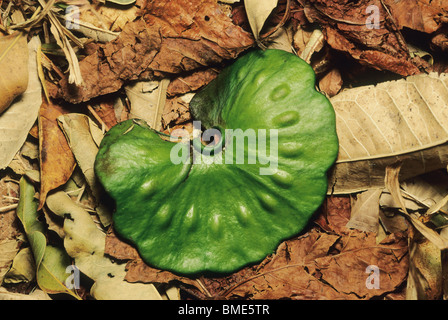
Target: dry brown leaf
{"points": [[422, 192], [315, 267], [286, 274], [103, 16], [331, 83], [56, 158], [337, 211], [194, 34], [441, 40], [35, 295], [345, 27], [300, 40], [281, 39], [191, 82], [397, 120], [421, 15], [105, 70], [388, 257], [23, 268], [117, 248], [171, 37], [176, 111], [8, 250], [105, 110], [14, 66]]}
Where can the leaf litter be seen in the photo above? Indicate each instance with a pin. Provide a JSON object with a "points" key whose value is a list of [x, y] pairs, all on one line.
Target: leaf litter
{"points": [[380, 215]]}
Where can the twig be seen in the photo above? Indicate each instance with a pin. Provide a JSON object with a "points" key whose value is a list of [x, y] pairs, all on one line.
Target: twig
{"points": [[80, 194], [11, 198], [46, 32], [37, 16], [12, 180], [203, 288], [316, 40], [8, 208], [7, 11], [98, 118], [61, 35], [50, 65]]}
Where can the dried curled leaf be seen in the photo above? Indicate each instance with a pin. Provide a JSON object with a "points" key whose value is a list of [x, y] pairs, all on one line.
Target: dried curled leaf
{"points": [[56, 158], [397, 120], [365, 30]]}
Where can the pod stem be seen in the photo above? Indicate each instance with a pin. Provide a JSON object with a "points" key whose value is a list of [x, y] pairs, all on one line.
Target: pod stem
{"points": [[210, 149]]}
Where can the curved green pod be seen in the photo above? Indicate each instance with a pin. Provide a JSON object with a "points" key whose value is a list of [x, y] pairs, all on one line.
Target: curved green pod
{"points": [[191, 211]]}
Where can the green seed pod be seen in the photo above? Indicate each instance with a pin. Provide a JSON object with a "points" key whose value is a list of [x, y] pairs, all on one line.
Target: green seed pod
{"points": [[235, 205]]}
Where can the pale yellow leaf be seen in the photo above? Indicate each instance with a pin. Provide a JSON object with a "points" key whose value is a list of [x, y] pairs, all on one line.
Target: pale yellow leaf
{"points": [[257, 13], [35, 295], [147, 100], [18, 119], [8, 250], [365, 211], [85, 242], [314, 43], [421, 192], [281, 40], [403, 120], [95, 33], [23, 268], [14, 66], [109, 17], [83, 137], [393, 185]]}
